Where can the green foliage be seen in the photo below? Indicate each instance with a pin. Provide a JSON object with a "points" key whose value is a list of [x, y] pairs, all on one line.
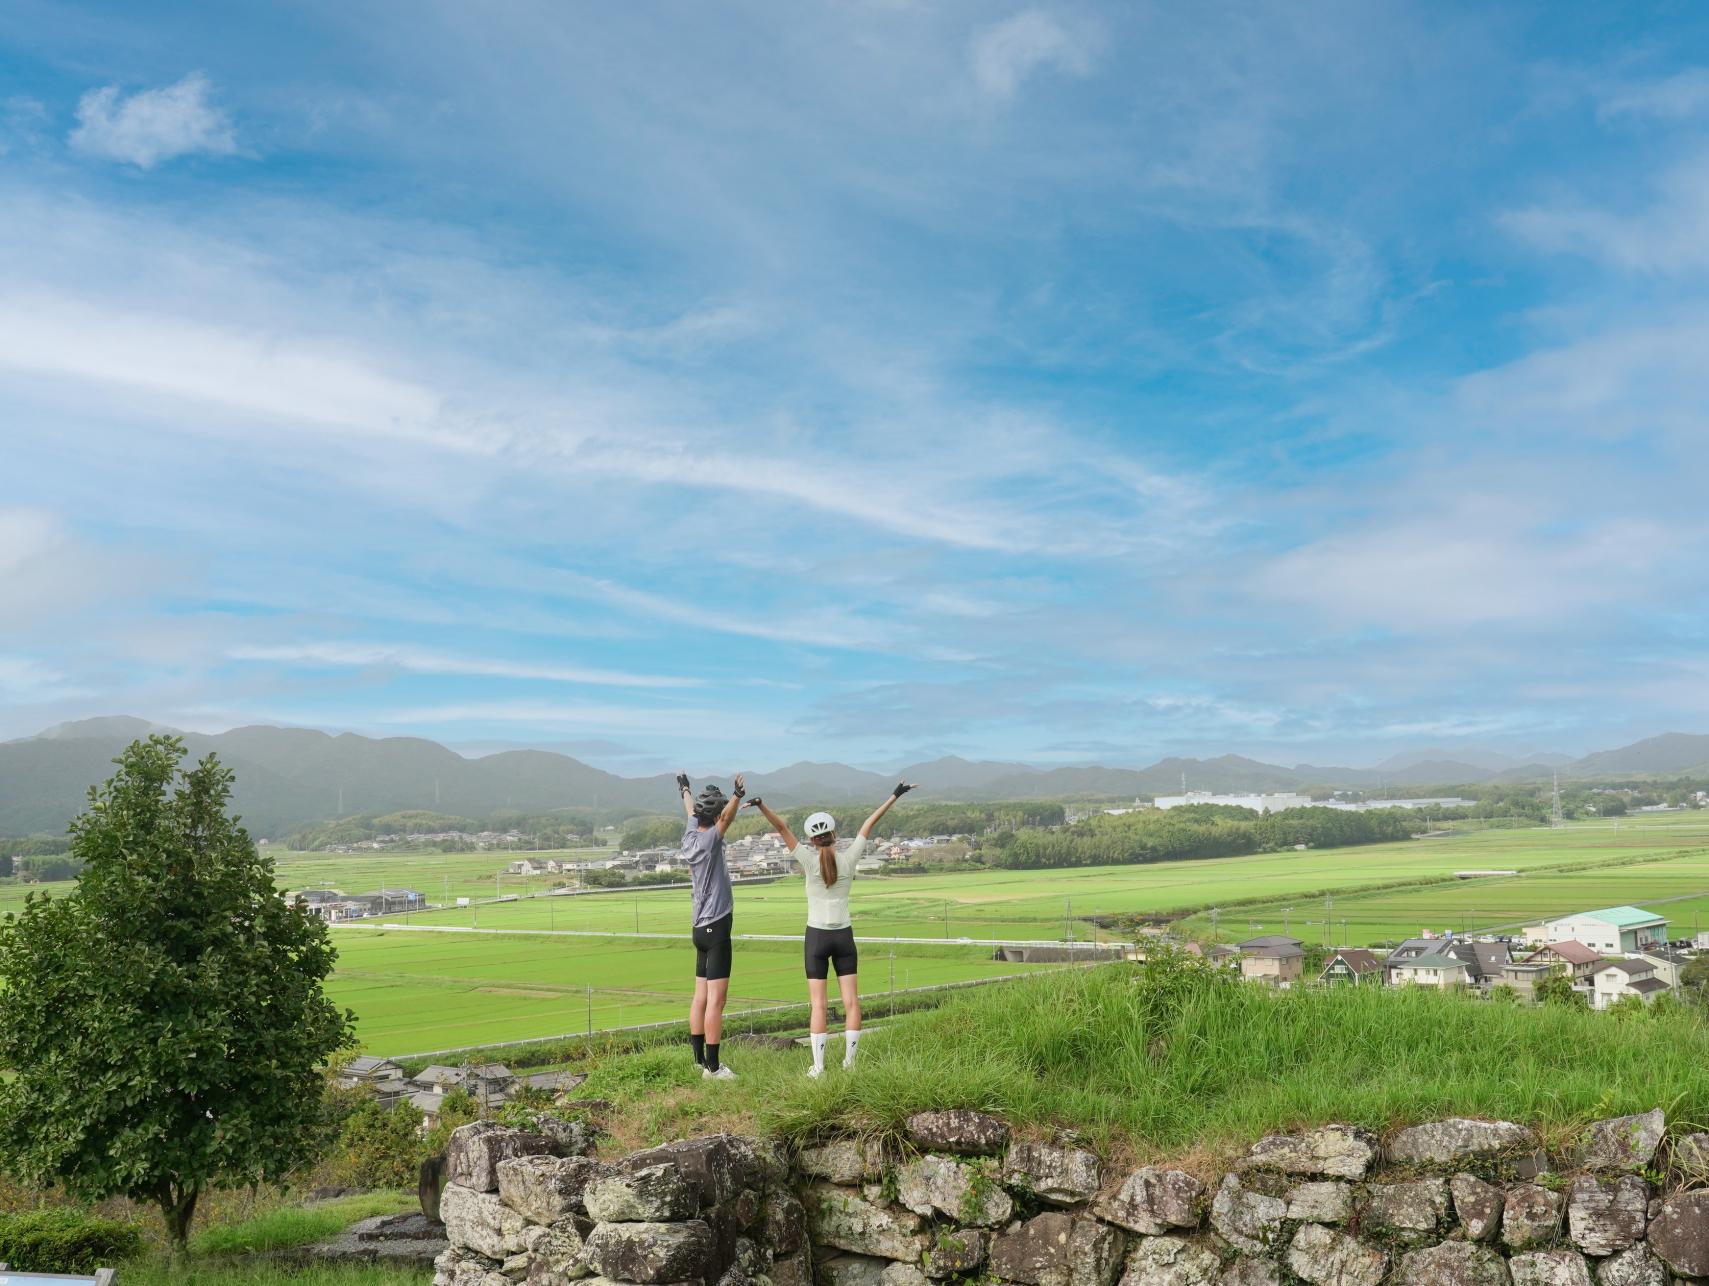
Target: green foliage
{"points": [[1695, 975], [264, 1272], [652, 832], [378, 1147], [458, 1107], [166, 1016], [1557, 989], [64, 1241]]}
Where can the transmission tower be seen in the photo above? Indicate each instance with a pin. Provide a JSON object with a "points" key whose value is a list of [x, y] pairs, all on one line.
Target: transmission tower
{"points": [[1555, 818]]}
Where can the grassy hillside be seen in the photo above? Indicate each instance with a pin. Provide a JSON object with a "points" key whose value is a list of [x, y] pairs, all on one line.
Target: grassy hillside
{"points": [[1163, 1060]]}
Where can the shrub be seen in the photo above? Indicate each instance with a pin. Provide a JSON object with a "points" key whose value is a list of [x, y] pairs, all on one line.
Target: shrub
{"points": [[378, 1147], [64, 1241]]}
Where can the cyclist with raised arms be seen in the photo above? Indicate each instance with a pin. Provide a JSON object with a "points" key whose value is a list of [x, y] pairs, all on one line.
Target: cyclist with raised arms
{"points": [[829, 942], [709, 816]]}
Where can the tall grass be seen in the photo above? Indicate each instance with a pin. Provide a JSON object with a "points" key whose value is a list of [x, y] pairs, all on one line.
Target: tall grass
{"points": [[162, 1272], [294, 1225], [1174, 1055]]}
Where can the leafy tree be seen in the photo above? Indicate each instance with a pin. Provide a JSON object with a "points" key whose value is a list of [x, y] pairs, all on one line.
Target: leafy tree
{"points": [[164, 1023], [1557, 989]]}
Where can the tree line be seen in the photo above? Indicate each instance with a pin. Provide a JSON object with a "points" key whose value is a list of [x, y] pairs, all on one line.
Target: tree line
{"points": [[1193, 831], [925, 818]]}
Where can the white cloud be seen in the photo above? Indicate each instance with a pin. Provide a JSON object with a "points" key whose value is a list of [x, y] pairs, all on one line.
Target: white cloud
{"points": [[420, 661], [23, 679], [1485, 560], [152, 125], [1005, 55], [1672, 98], [1669, 234]]}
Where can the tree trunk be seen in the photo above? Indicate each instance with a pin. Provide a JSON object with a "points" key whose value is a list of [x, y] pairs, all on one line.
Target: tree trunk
{"points": [[177, 1208]]}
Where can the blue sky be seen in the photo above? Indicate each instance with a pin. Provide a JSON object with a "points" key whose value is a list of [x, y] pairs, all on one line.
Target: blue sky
{"points": [[727, 385]]}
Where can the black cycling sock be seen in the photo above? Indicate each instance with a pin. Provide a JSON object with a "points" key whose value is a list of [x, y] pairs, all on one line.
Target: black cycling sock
{"points": [[699, 1043], [711, 1063]]}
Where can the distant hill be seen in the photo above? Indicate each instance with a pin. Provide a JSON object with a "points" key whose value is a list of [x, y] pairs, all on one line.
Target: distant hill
{"points": [[288, 778]]}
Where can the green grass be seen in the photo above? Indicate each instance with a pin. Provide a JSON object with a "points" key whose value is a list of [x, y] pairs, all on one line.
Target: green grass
{"points": [[289, 1226], [437, 876], [1161, 1061]]}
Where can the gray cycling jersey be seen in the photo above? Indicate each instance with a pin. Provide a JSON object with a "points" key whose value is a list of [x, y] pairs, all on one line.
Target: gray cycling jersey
{"points": [[710, 877]]}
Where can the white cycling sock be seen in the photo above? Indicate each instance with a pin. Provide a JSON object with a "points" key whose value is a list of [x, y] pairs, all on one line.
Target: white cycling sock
{"points": [[819, 1039], [851, 1042]]}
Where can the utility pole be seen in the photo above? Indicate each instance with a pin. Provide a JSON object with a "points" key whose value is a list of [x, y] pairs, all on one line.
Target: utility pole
{"points": [[1555, 818], [1286, 912], [1328, 923], [1215, 911]]}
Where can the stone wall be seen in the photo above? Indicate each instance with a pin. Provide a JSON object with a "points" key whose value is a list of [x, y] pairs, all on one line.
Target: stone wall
{"points": [[1450, 1203]]}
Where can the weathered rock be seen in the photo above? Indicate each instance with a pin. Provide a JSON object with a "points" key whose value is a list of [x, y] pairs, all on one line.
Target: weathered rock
{"points": [[1691, 1155], [902, 1275], [544, 1188], [473, 1152], [1624, 1143], [1061, 1176], [1549, 1268], [946, 1186], [558, 1257], [657, 1194], [1477, 1205], [569, 1138], [1635, 1267], [957, 1252], [1409, 1214], [852, 1270], [837, 1217], [1458, 1139], [841, 1161], [650, 1252], [791, 1270], [429, 1179], [1679, 1235], [1250, 1272], [1057, 1250], [959, 1130], [1321, 1201], [1247, 1220], [715, 1166], [1452, 1263], [1330, 1258], [1605, 1217], [1333, 1151], [459, 1266], [785, 1223], [479, 1221], [1531, 1216], [1154, 1201], [1172, 1261], [407, 1241]]}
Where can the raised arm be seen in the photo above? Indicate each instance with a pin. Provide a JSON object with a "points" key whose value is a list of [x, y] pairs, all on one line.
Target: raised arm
{"points": [[737, 790], [902, 788], [687, 793], [777, 823]]}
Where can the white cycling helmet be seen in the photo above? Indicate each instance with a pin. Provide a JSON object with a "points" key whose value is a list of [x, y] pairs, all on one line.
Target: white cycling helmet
{"points": [[820, 824]]}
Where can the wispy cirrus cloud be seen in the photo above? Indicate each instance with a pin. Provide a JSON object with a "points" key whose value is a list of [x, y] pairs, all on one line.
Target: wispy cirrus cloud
{"points": [[421, 661]]}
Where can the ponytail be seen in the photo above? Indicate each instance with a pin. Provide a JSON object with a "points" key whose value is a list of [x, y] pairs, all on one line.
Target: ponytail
{"points": [[828, 864]]}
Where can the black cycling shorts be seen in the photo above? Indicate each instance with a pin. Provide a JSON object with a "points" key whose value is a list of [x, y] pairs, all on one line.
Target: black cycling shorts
{"points": [[712, 947], [830, 947]]}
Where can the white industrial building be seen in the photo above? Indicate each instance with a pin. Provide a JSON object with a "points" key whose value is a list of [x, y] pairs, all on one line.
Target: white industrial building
{"points": [[1618, 930], [1257, 803]]}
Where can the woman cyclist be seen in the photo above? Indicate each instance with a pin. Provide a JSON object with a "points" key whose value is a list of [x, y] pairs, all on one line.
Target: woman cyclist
{"points": [[829, 942]]}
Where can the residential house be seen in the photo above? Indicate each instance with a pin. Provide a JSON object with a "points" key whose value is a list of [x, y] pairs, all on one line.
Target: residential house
{"points": [[1614, 930], [1437, 969], [1523, 976], [1616, 979], [1223, 956], [1669, 963], [1352, 964], [1484, 961], [441, 1078], [1411, 949], [366, 1067], [522, 866], [1574, 959], [1273, 959], [555, 1082]]}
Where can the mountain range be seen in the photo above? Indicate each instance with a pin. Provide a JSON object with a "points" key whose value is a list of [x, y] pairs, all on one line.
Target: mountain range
{"points": [[291, 777]]}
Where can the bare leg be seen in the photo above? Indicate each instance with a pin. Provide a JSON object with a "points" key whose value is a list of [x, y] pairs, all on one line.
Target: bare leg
{"points": [[816, 991], [697, 1009], [850, 989], [717, 991]]}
